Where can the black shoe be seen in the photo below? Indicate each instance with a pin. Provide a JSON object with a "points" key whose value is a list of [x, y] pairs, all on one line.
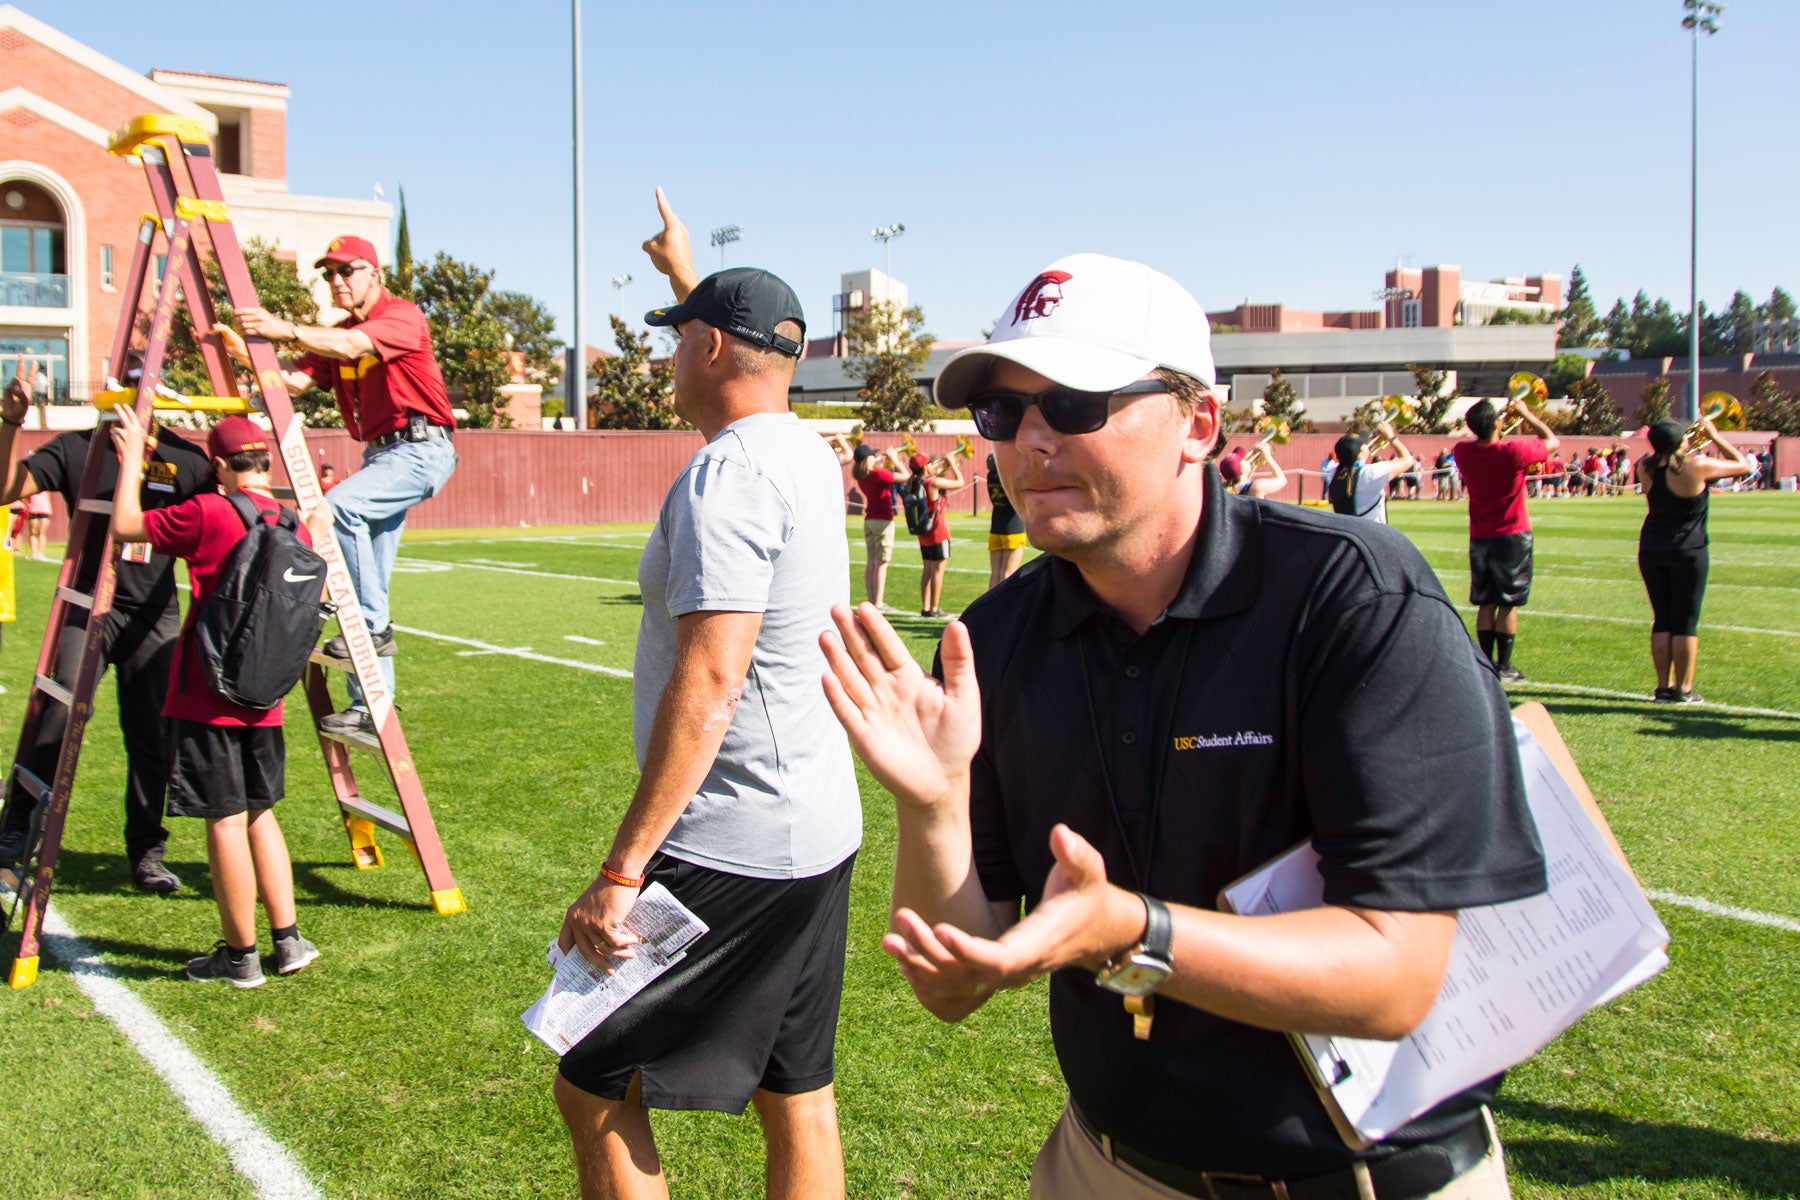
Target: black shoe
{"points": [[337, 647], [150, 874], [352, 721], [1667, 695], [1511, 674], [13, 844]]}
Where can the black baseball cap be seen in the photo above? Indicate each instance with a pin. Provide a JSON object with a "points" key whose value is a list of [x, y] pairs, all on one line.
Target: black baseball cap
{"points": [[1348, 447], [745, 302]]}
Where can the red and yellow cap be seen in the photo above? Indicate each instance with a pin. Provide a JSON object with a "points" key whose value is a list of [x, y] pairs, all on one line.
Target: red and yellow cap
{"points": [[347, 249], [234, 435]]}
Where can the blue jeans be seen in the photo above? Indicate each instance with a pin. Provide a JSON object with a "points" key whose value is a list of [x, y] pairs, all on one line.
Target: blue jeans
{"points": [[370, 509]]}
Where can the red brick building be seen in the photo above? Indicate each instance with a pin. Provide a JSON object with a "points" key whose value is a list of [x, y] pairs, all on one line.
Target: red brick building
{"points": [[69, 211]]}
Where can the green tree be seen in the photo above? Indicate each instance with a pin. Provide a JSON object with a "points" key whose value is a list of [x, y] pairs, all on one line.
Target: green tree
{"points": [[1778, 307], [1617, 327], [1772, 407], [886, 344], [1280, 403], [630, 391], [1653, 401], [470, 339], [1564, 370], [401, 274], [1433, 404], [1662, 333], [533, 332], [1594, 413], [1740, 321], [1520, 316], [1580, 323], [279, 290]]}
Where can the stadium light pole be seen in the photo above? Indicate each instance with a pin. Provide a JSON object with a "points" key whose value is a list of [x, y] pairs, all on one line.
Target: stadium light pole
{"points": [[885, 234], [723, 236], [620, 283], [1701, 15], [577, 373]]}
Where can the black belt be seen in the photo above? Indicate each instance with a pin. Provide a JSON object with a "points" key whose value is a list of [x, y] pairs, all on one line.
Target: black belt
{"points": [[1403, 1175], [418, 432]]}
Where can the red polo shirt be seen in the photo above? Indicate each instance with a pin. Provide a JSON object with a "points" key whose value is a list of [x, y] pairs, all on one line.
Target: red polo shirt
{"points": [[1494, 478], [377, 392], [204, 531]]}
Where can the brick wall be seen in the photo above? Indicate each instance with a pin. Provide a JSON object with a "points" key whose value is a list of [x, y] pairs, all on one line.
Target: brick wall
{"points": [[268, 143]]}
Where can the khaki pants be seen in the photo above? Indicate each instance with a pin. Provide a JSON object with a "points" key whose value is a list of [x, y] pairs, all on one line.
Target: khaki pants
{"points": [[1074, 1166]]}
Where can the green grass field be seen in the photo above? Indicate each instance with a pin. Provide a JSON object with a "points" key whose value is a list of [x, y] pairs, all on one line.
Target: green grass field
{"points": [[397, 1066]]}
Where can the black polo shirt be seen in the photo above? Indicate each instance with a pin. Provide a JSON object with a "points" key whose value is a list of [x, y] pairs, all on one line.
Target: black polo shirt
{"points": [[1310, 681], [173, 472]]}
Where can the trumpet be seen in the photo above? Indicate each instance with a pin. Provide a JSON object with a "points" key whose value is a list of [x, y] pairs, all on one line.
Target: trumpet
{"points": [[1274, 433], [964, 448], [1722, 409], [908, 447], [1527, 389], [1396, 411]]}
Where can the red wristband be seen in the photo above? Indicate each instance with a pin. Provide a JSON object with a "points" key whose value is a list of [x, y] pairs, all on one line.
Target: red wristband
{"points": [[612, 876]]}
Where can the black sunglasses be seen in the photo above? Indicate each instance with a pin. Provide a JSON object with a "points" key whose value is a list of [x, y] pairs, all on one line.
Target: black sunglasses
{"points": [[342, 271], [997, 415]]}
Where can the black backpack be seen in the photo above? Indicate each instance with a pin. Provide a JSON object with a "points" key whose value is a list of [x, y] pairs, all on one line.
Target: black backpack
{"points": [[258, 628], [920, 518], [1343, 492]]}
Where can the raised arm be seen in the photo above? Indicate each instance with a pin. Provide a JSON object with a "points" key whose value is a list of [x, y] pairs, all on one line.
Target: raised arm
{"points": [[1543, 432], [233, 341], [128, 439], [670, 252], [1735, 463], [18, 483]]}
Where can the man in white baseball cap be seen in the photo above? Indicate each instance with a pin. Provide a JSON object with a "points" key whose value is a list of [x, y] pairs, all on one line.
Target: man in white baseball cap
{"points": [[1176, 691]]}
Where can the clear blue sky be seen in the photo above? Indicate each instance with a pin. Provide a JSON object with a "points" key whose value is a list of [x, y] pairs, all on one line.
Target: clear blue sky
{"points": [[1275, 151]]}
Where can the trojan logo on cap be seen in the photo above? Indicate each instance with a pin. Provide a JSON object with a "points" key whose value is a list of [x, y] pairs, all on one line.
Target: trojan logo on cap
{"points": [[347, 248], [1041, 296]]}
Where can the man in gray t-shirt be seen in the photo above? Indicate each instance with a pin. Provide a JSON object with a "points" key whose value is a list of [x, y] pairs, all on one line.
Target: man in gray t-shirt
{"points": [[747, 807]]}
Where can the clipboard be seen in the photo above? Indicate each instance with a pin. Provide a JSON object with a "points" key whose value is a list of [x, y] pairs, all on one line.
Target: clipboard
{"points": [[1325, 1067]]}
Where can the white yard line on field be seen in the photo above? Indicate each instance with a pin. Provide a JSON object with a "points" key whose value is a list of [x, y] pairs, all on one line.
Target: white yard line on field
{"points": [[532, 656], [584, 641], [1736, 710], [1713, 909], [482, 566], [1644, 620], [1635, 583], [258, 1157]]}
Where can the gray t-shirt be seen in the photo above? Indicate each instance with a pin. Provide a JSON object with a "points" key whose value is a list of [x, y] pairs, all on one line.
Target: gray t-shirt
{"points": [[756, 524]]}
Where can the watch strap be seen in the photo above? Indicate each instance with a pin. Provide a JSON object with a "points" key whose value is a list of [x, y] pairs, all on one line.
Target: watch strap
{"points": [[1159, 929]]}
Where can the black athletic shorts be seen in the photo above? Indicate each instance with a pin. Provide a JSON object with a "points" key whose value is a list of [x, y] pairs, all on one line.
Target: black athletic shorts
{"points": [[1500, 570], [223, 770], [1676, 581], [936, 552], [753, 1005]]}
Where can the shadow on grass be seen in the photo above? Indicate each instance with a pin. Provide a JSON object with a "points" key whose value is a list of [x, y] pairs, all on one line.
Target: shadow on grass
{"points": [[1683, 722], [1625, 1149], [93, 874], [630, 599], [127, 960]]}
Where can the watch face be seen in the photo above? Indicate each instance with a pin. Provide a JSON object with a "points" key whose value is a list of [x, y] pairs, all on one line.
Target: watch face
{"points": [[1138, 975]]}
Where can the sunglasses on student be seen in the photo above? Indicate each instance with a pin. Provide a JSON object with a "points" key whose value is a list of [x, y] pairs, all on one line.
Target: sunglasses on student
{"points": [[998, 415], [341, 270]]}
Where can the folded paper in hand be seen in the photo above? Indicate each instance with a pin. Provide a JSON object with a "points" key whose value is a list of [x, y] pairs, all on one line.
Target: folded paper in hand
{"points": [[581, 995], [1520, 973]]}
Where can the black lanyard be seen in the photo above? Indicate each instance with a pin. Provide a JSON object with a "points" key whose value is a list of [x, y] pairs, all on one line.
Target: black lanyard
{"points": [[1140, 871]]}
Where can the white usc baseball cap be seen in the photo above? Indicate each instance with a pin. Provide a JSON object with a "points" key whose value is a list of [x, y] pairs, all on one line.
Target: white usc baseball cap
{"points": [[1092, 322]]}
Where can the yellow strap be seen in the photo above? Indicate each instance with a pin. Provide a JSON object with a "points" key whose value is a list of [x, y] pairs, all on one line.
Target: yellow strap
{"points": [[189, 208]]}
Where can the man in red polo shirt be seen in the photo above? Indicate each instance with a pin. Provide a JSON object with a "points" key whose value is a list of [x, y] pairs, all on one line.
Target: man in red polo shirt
{"points": [[379, 362], [1493, 472]]}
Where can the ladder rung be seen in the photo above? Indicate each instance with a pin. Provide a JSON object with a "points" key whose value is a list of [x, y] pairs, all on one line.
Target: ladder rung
{"points": [[369, 811], [320, 658], [366, 741], [69, 595], [93, 506], [55, 690], [36, 788], [282, 493]]}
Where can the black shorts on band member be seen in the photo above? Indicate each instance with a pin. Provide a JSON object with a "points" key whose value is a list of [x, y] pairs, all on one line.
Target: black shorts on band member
{"points": [[1500, 570], [223, 770], [753, 1005], [1676, 583]]}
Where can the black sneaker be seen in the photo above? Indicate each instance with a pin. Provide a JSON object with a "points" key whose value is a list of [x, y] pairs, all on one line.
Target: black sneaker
{"points": [[337, 647], [1511, 674], [293, 954], [150, 874], [351, 722], [218, 965], [13, 844], [1667, 695]]}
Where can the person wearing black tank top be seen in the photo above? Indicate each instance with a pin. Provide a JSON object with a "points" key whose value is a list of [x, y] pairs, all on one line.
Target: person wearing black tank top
{"points": [[1672, 549]]}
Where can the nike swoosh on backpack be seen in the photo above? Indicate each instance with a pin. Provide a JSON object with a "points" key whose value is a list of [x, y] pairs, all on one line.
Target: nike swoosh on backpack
{"points": [[293, 578]]}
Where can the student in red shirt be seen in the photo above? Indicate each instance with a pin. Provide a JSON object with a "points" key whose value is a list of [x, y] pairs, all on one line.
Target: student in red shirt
{"points": [[1493, 472], [875, 474], [230, 763], [380, 364], [934, 547]]}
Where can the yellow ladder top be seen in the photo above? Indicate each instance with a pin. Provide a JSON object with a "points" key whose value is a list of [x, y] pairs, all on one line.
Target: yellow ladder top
{"points": [[150, 126]]}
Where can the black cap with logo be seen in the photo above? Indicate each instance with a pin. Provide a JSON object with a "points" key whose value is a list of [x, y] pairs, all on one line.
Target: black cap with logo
{"points": [[745, 302]]}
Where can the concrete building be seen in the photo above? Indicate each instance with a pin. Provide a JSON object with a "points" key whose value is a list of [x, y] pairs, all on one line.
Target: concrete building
{"points": [[69, 211]]}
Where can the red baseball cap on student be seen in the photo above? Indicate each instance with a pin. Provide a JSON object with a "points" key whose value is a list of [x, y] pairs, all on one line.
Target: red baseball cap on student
{"points": [[347, 249], [918, 462], [234, 435]]}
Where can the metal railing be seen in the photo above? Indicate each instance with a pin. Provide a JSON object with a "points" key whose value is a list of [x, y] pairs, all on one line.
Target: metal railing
{"points": [[25, 289]]}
